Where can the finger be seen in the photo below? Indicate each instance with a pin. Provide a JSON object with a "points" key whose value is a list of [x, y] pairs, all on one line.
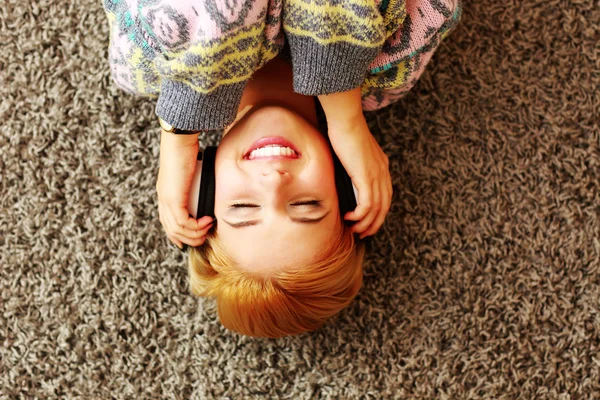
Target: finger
{"points": [[183, 218], [176, 239], [365, 194], [364, 223], [385, 207], [175, 230], [181, 243], [196, 234], [387, 185], [166, 222], [161, 217], [167, 226], [195, 239], [204, 222], [190, 242], [184, 230]]}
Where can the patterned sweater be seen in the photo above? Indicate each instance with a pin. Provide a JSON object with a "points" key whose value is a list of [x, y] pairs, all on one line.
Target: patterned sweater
{"points": [[197, 55]]}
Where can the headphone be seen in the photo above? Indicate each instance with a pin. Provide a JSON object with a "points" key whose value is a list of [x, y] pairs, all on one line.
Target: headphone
{"points": [[201, 200]]}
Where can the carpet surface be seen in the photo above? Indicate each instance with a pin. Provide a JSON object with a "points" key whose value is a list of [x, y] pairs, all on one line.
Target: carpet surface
{"points": [[484, 282]]}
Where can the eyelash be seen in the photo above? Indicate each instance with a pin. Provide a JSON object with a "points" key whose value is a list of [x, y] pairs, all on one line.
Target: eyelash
{"points": [[300, 203], [242, 205], [308, 203]]}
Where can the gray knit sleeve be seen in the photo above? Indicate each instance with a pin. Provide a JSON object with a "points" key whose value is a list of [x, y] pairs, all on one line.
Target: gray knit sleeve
{"points": [[333, 68], [196, 57], [187, 109], [332, 43]]}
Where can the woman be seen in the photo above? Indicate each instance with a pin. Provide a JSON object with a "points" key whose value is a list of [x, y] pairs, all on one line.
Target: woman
{"points": [[211, 62]]}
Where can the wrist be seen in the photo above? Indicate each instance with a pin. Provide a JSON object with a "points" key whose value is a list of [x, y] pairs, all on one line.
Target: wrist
{"points": [[343, 109], [179, 140]]}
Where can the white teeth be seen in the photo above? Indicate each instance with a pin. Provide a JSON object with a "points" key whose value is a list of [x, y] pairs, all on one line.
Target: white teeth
{"points": [[271, 150]]}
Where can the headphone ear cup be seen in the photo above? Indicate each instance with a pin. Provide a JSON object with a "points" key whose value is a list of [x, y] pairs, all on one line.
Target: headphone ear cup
{"points": [[206, 195], [345, 189]]}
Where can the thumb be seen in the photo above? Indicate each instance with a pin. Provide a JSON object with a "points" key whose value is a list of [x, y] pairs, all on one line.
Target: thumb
{"points": [[204, 222]]}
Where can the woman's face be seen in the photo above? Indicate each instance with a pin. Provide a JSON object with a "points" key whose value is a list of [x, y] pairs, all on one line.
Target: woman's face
{"points": [[274, 209]]}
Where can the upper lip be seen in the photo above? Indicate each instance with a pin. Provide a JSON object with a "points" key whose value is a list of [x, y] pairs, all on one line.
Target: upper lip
{"points": [[273, 140]]}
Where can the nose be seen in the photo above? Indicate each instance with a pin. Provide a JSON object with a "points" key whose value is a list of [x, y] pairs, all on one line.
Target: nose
{"points": [[275, 177]]}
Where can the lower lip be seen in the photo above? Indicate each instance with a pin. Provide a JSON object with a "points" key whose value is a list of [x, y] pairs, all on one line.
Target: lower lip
{"points": [[277, 141]]}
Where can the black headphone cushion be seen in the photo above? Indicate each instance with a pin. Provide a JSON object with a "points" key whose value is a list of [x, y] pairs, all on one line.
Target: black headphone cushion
{"points": [[206, 197]]}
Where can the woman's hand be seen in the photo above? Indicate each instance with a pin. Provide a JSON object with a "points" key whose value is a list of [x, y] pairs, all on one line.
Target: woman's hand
{"points": [[177, 165], [368, 167], [362, 157]]}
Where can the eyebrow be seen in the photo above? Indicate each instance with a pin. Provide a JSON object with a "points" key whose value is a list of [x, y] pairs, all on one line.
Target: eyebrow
{"points": [[303, 220]]}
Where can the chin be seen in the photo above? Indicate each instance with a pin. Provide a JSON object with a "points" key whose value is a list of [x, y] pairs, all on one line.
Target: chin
{"points": [[278, 116]]}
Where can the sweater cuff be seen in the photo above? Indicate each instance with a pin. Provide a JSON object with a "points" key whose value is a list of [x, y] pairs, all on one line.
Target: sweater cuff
{"points": [[324, 69], [184, 108]]}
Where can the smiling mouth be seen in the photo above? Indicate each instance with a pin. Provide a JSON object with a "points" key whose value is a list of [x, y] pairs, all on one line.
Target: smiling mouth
{"points": [[272, 152], [272, 148]]}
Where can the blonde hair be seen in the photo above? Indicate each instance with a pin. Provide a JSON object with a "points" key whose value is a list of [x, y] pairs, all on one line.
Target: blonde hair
{"points": [[290, 302]]}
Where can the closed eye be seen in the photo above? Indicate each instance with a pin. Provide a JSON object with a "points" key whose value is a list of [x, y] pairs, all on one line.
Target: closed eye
{"points": [[307, 203], [244, 205], [299, 203]]}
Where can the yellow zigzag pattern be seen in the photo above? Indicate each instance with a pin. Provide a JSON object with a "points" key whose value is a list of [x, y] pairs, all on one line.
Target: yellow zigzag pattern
{"points": [[335, 23], [267, 56], [315, 12], [384, 81], [137, 58], [215, 46], [333, 38], [245, 62], [302, 17], [394, 16]]}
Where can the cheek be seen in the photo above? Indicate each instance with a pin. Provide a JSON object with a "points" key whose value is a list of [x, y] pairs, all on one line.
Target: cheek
{"points": [[321, 175], [323, 162], [227, 181]]}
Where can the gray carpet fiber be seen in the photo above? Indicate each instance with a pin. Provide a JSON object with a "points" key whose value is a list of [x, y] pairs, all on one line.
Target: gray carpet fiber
{"points": [[484, 283]]}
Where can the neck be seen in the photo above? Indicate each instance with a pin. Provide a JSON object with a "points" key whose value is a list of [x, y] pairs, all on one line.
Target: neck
{"points": [[273, 85]]}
